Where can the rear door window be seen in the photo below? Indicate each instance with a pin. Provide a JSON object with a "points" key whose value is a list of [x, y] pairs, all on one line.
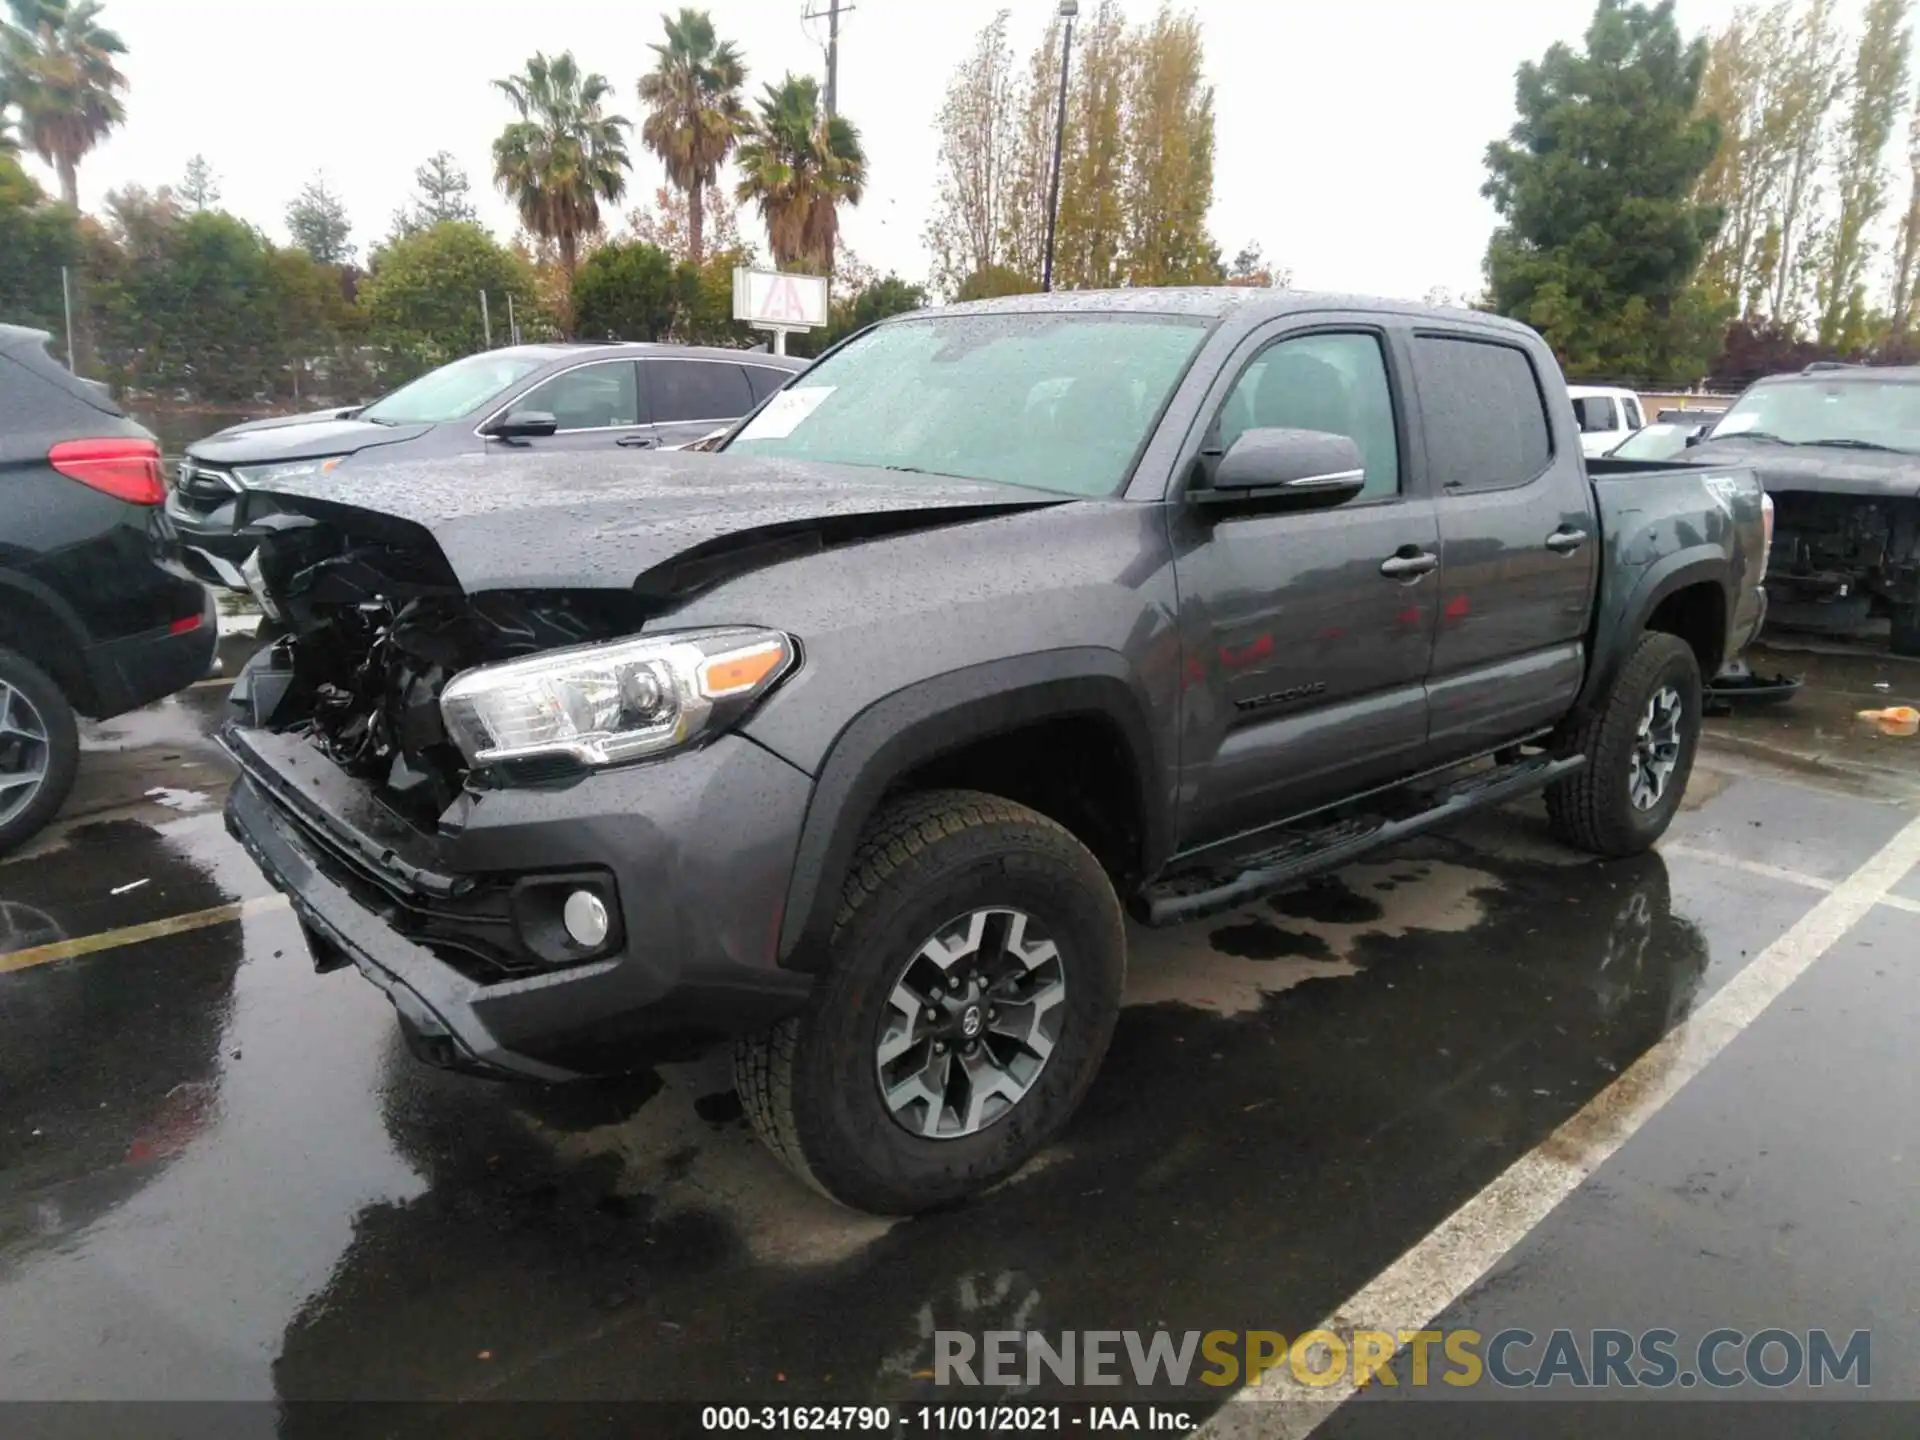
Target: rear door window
{"points": [[687, 390], [1483, 413]]}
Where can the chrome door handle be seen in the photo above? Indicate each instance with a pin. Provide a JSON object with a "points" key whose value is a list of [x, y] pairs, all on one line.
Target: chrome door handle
{"points": [[635, 442], [1566, 541], [1409, 567]]}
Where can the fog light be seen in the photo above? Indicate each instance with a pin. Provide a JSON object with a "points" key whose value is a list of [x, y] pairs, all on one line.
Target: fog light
{"points": [[585, 916]]}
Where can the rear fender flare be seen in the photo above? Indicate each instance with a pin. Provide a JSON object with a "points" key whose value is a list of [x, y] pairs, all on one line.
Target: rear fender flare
{"points": [[932, 717], [1616, 638]]}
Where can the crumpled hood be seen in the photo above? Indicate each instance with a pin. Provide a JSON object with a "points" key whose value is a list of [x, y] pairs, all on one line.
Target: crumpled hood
{"points": [[298, 437], [574, 521], [1818, 470]]}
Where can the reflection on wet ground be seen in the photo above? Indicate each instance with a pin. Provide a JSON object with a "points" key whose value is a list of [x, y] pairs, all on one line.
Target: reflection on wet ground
{"points": [[221, 1176]]}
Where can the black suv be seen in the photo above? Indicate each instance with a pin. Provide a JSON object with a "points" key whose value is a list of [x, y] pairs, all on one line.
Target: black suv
{"points": [[88, 621], [1838, 448]]}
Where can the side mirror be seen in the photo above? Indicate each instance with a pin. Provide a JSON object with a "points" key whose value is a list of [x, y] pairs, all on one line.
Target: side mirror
{"points": [[519, 424], [1286, 470], [1696, 437]]}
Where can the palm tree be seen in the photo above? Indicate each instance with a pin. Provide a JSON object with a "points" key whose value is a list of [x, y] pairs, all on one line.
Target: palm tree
{"points": [[564, 155], [694, 114], [798, 164], [57, 67]]}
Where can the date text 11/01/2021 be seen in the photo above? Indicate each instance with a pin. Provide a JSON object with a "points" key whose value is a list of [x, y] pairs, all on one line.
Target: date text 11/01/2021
{"points": [[981, 1419]]}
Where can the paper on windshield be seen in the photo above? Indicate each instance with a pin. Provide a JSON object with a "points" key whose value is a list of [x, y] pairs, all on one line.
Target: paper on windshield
{"points": [[785, 411]]}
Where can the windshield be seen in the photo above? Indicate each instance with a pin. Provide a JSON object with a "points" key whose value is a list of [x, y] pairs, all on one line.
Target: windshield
{"points": [[451, 391], [1659, 441], [1876, 414], [1055, 400]]}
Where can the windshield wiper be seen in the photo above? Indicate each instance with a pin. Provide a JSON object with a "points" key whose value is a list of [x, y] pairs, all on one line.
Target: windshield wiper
{"points": [[1765, 435], [1845, 444]]}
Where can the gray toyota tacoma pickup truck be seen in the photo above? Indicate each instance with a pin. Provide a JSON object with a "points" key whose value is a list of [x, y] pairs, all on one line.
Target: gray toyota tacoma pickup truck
{"points": [[853, 743]]}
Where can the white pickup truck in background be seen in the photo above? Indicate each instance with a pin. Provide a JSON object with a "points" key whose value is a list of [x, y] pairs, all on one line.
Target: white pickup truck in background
{"points": [[1606, 415]]}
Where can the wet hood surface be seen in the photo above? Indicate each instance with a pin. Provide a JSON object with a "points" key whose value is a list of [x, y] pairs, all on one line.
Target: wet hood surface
{"points": [[1819, 470], [562, 521], [298, 437]]}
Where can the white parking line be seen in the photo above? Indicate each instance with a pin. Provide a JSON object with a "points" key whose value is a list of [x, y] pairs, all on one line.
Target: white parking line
{"points": [[1747, 867], [1461, 1249]]}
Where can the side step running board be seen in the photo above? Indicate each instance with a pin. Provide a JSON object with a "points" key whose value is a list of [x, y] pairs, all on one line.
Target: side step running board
{"points": [[1324, 847]]}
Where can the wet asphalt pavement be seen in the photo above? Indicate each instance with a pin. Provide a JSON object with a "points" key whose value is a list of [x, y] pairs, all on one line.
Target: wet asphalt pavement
{"points": [[223, 1178]]}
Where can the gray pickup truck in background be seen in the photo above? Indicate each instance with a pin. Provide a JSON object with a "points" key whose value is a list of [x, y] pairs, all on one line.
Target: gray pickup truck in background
{"points": [[853, 742]]}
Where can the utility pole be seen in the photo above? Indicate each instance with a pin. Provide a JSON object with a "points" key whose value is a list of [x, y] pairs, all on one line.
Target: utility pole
{"points": [[832, 16], [66, 302], [1068, 9]]}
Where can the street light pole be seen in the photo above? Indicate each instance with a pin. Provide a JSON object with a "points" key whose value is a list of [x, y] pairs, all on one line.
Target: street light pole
{"points": [[1068, 9]]}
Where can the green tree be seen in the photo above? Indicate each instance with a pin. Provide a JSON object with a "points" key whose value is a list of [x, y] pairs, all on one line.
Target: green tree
{"points": [[1169, 184], [422, 300], [694, 112], [1878, 87], [1091, 235], [993, 282], [196, 306], [667, 222], [199, 187], [970, 228], [629, 290], [1600, 234], [317, 220], [1807, 79], [1741, 91], [58, 69], [708, 318], [36, 239], [564, 155], [798, 165], [1906, 251], [440, 192], [883, 298], [1030, 170]]}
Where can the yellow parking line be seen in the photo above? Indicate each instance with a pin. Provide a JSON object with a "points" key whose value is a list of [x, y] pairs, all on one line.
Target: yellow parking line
{"points": [[133, 934]]}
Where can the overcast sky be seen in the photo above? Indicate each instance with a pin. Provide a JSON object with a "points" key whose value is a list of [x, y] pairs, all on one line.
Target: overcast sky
{"points": [[1350, 133]]}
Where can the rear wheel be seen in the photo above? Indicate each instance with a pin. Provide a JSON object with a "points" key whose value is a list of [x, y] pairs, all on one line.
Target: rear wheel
{"points": [[1639, 746], [39, 749], [971, 987]]}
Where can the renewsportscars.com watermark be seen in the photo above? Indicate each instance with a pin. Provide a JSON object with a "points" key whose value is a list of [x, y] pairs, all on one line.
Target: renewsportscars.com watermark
{"points": [[1511, 1359]]}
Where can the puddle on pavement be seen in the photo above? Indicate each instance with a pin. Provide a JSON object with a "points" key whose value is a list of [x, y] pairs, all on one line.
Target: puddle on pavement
{"points": [[1230, 965]]}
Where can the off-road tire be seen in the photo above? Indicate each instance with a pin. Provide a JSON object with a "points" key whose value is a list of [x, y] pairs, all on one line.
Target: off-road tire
{"points": [[63, 746], [809, 1086], [1592, 810]]}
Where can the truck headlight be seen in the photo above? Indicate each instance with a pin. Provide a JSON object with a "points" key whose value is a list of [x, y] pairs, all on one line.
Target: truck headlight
{"points": [[251, 475], [601, 704]]}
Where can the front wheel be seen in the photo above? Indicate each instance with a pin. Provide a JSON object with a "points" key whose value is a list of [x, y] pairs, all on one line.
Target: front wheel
{"points": [[972, 983], [1639, 744]]}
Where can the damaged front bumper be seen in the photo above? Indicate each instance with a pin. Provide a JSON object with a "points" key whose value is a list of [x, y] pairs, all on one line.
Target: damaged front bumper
{"points": [[693, 852]]}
